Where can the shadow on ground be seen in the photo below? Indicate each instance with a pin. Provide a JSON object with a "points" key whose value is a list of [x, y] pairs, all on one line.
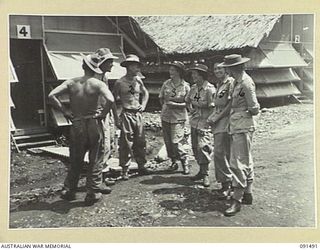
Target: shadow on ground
{"points": [[191, 198], [60, 206], [179, 180]]}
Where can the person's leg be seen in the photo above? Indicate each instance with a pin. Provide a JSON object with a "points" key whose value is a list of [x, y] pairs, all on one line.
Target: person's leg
{"points": [[96, 158], [247, 196], [177, 134], [107, 139], [204, 158], [239, 160], [166, 129], [77, 150], [139, 143], [241, 167], [125, 144], [221, 164], [195, 149]]}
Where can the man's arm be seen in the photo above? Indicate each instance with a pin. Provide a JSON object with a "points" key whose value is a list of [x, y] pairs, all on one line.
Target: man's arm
{"points": [[251, 98], [145, 96], [114, 105], [161, 95], [213, 118], [107, 95], [209, 100], [52, 97]]}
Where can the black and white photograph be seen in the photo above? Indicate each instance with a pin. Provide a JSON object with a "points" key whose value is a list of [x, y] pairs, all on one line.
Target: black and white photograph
{"points": [[162, 121]]}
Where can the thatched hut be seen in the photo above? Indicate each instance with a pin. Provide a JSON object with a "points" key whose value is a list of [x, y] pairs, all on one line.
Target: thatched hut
{"points": [[273, 42]]}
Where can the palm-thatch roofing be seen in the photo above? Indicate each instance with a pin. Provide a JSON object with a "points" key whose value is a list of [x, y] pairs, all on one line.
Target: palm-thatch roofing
{"points": [[197, 34]]}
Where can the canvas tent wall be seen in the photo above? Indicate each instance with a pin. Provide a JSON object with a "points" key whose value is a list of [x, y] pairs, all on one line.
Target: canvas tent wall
{"points": [[12, 79], [61, 40]]}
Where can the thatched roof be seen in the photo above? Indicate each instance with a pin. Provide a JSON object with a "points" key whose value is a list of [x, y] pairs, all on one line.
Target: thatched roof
{"points": [[196, 34]]}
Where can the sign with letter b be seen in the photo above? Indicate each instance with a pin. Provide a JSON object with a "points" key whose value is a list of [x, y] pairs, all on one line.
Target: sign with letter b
{"points": [[23, 31]]}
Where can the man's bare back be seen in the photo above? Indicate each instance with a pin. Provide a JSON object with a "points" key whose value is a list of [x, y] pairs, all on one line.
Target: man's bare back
{"points": [[84, 93]]}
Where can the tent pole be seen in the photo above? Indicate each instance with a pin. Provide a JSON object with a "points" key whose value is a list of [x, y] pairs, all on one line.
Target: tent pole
{"points": [[43, 76], [127, 38]]}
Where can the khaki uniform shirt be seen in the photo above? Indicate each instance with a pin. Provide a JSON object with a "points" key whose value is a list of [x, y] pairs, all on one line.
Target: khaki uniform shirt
{"points": [[243, 106], [129, 91], [221, 100], [170, 92], [201, 100]]}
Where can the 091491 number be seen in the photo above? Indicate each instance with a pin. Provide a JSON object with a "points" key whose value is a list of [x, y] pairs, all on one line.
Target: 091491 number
{"points": [[308, 246]]}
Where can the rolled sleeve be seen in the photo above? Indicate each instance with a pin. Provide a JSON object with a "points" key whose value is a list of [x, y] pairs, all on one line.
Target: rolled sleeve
{"points": [[210, 97]]}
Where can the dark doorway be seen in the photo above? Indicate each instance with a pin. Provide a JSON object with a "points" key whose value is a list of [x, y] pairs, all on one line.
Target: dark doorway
{"points": [[27, 94]]}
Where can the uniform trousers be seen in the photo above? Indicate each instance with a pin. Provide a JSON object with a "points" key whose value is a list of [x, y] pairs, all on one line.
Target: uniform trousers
{"points": [[202, 149], [173, 134], [221, 157], [86, 135], [241, 162], [132, 141]]}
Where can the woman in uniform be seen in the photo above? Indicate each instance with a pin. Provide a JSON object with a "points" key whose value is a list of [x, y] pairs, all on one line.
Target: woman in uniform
{"points": [[200, 101], [244, 106], [174, 114], [219, 120]]}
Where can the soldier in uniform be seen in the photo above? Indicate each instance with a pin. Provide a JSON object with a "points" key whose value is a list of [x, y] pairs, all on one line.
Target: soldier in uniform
{"points": [[219, 120], [200, 101], [174, 114], [132, 142], [244, 106], [86, 133]]}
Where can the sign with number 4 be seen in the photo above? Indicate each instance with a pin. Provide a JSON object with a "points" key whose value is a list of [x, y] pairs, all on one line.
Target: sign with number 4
{"points": [[23, 31]]}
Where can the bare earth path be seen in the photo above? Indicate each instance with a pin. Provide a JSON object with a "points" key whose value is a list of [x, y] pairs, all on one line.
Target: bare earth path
{"points": [[283, 194]]}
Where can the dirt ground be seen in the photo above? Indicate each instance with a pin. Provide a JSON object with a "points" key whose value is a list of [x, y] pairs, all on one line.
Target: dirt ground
{"points": [[284, 194]]}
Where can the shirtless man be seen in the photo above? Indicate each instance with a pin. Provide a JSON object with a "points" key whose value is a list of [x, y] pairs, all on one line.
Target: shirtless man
{"points": [[106, 64], [132, 143], [86, 133]]}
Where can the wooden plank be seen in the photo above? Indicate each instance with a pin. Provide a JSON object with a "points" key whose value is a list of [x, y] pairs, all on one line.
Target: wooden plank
{"points": [[31, 144], [30, 131], [24, 137]]}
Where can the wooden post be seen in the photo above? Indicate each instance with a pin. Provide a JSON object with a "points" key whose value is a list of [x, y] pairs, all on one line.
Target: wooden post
{"points": [[43, 77]]}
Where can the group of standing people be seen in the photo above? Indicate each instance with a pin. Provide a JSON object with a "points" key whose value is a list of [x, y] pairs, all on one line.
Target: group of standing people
{"points": [[225, 110]]}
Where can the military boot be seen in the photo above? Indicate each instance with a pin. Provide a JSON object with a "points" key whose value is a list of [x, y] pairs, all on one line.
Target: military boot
{"points": [[247, 199], [174, 166], [92, 198], [68, 195], [185, 166], [197, 177], [225, 191], [233, 209], [142, 170], [125, 173], [206, 181]]}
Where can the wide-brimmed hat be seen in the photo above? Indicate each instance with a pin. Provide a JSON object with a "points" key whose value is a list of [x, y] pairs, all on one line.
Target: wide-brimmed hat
{"points": [[233, 60], [178, 64], [199, 67], [104, 54], [131, 59], [93, 62]]}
